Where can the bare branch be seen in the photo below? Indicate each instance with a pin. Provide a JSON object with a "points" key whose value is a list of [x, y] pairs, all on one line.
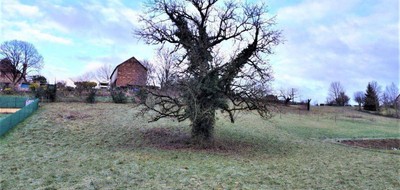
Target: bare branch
{"points": [[22, 57], [207, 79]]}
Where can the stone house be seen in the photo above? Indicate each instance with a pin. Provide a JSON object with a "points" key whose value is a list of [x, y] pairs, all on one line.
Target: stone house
{"points": [[129, 73]]}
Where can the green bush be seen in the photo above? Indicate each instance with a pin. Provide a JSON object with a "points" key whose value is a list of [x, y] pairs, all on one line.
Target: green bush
{"points": [[119, 96]]}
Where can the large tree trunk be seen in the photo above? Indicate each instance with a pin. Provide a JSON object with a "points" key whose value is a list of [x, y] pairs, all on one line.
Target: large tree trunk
{"points": [[203, 126], [202, 116], [202, 108]]}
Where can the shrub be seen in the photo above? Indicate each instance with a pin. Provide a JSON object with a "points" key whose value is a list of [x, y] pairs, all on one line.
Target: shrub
{"points": [[44, 92], [134, 100], [84, 86], [8, 91], [51, 93], [34, 86], [91, 97], [142, 95], [39, 92], [118, 96]]}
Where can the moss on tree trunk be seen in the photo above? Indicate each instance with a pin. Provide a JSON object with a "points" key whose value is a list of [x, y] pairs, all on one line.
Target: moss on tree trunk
{"points": [[203, 126]]}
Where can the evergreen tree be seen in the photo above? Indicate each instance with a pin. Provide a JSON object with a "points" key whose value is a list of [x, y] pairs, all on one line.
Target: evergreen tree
{"points": [[371, 101]]}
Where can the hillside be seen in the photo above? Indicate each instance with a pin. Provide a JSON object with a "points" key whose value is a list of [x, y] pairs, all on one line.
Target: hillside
{"points": [[109, 146]]}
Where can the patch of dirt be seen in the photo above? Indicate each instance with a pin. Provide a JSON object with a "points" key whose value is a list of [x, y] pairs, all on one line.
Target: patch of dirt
{"points": [[168, 139], [72, 115], [388, 144], [353, 116]]}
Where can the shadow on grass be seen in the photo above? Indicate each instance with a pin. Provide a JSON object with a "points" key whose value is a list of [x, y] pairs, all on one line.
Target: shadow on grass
{"points": [[177, 139]]}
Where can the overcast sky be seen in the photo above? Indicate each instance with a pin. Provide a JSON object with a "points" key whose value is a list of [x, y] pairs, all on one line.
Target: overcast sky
{"points": [[351, 41]]}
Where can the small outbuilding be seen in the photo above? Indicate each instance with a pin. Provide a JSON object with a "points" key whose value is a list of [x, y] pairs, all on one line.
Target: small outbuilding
{"points": [[129, 73]]}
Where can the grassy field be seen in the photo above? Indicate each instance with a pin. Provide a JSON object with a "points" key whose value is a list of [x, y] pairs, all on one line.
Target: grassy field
{"points": [[108, 146]]}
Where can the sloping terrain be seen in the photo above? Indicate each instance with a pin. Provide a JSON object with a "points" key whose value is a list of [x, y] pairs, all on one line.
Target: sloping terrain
{"points": [[110, 146]]}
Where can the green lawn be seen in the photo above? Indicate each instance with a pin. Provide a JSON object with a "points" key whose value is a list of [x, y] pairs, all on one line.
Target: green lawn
{"points": [[109, 146]]}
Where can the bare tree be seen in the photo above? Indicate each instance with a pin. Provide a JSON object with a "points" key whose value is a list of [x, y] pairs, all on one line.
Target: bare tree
{"points": [[103, 73], [288, 95], [390, 95], [166, 69], [151, 72], [88, 76], [197, 29], [359, 98], [21, 58], [334, 91], [337, 95]]}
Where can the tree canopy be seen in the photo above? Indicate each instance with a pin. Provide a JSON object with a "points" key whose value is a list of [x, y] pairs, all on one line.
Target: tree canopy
{"points": [[39, 78], [222, 49]]}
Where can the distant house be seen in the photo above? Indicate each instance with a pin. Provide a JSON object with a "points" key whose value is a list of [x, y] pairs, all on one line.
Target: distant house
{"points": [[129, 73], [272, 98], [3, 77], [6, 73], [103, 85]]}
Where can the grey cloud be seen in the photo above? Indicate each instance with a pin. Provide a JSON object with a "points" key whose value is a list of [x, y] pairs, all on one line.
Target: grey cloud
{"points": [[86, 20]]}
